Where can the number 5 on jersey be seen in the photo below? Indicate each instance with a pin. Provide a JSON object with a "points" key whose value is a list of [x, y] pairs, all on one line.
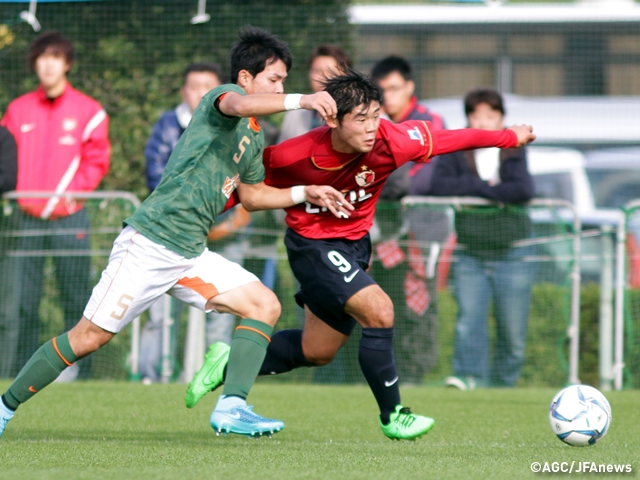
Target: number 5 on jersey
{"points": [[123, 303]]}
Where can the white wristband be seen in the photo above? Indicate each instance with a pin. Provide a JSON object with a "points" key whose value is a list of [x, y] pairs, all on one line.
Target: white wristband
{"points": [[292, 101], [298, 195]]}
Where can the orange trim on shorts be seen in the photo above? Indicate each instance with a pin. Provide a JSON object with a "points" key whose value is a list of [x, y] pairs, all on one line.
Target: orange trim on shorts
{"points": [[242, 327], [55, 346], [206, 290]]}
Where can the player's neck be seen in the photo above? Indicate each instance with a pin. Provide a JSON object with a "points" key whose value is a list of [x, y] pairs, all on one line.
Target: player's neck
{"points": [[339, 145], [54, 91]]}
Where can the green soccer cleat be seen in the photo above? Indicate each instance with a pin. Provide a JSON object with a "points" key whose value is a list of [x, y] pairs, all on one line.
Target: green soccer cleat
{"points": [[404, 425], [210, 376]]}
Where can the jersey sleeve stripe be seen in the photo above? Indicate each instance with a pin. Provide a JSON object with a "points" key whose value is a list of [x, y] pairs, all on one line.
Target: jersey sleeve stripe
{"points": [[97, 119], [61, 187], [426, 127]]}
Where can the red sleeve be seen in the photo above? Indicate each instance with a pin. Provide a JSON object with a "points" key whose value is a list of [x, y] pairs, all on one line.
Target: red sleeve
{"points": [[409, 141], [234, 200], [94, 156], [448, 141]]}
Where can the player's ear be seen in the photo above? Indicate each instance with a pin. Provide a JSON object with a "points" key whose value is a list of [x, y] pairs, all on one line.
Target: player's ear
{"points": [[411, 86], [244, 78], [333, 122]]}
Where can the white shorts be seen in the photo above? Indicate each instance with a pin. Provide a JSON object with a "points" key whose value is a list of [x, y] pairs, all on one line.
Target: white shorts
{"points": [[140, 271]]}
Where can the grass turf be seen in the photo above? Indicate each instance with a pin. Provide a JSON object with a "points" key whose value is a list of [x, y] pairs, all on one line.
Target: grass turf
{"points": [[120, 430]]}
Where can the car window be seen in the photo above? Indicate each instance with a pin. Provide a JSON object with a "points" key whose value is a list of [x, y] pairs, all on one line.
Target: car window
{"points": [[554, 185], [614, 188]]}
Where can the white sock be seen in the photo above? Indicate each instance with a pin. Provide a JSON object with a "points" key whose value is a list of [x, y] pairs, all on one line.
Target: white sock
{"points": [[5, 411], [226, 403]]}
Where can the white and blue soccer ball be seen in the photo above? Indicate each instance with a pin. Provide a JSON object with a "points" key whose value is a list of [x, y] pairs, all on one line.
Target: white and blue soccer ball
{"points": [[580, 415]]}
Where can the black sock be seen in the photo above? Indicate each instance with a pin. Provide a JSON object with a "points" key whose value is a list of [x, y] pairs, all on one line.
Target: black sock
{"points": [[284, 353], [11, 407], [379, 368]]}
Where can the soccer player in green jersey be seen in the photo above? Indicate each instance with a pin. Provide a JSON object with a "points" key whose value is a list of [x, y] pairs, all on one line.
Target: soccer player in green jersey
{"points": [[162, 247]]}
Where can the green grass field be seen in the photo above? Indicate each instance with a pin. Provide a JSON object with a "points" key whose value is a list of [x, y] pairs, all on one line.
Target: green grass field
{"points": [[121, 430]]}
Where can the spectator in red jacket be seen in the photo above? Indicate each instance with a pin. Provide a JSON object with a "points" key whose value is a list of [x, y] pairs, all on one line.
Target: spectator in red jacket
{"points": [[62, 141]]}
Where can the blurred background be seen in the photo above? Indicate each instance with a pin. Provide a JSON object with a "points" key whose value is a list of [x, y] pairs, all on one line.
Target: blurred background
{"points": [[571, 69]]}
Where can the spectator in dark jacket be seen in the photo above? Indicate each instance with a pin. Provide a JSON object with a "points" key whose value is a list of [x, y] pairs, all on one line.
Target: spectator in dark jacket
{"points": [[411, 286], [489, 264], [9, 326]]}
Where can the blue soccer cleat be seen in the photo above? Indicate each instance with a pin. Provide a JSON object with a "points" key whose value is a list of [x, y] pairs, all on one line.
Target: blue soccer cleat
{"points": [[5, 416], [241, 420]]}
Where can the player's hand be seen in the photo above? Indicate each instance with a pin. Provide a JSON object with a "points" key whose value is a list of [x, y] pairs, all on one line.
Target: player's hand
{"points": [[326, 196], [524, 133], [321, 102]]}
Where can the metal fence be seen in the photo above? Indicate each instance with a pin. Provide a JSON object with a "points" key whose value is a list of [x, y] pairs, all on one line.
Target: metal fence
{"points": [[626, 347], [405, 264], [48, 268]]}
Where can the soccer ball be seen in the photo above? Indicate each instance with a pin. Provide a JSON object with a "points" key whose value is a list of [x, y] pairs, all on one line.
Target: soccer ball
{"points": [[580, 415]]}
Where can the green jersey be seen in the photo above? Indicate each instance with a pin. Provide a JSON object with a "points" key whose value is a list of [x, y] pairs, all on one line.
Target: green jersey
{"points": [[212, 157]]}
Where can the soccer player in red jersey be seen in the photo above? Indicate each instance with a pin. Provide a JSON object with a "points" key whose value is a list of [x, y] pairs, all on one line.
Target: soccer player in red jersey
{"points": [[329, 256]]}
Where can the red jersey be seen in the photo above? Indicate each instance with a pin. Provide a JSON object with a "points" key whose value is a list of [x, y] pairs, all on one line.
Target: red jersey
{"points": [[311, 160]]}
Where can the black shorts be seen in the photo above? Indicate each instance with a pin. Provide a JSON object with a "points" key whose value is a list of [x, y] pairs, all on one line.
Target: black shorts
{"points": [[330, 272]]}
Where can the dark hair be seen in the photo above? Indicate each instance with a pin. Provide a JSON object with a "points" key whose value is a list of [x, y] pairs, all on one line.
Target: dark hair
{"points": [[53, 41], [351, 90], [201, 67], [327, 50], [256, 49], [483, 95], [391, 64]]}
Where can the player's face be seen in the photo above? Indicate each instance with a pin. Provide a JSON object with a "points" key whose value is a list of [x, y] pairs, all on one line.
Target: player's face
{"points": [[397, 93], [322, 68], [483, 116], [357, 131], [51, 70], [196, 85], [270, 80]]}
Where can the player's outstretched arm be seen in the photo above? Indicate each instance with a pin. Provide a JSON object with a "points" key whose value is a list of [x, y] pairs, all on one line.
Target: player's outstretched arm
{"points": [[448, 141], [261, 104], [260, 196], [524, 133]]}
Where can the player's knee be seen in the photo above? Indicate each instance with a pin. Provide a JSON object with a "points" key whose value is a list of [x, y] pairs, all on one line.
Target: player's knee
{"points": [[89, 340], [319, 359], [267, 308], [381, 317]]}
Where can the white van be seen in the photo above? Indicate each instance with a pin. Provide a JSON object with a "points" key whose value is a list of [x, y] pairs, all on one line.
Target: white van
{"points": [[567, 129]]}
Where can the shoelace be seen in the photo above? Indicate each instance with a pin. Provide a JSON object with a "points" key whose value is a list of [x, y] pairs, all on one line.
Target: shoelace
{"points": [[405, 417]]}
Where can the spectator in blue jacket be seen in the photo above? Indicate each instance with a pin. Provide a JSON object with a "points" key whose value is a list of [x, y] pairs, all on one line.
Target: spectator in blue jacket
{"points": [[197, 79], [490, 264]]}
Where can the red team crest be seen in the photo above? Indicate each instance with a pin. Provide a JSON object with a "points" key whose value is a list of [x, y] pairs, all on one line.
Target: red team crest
{"points": [[365, 178]]}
